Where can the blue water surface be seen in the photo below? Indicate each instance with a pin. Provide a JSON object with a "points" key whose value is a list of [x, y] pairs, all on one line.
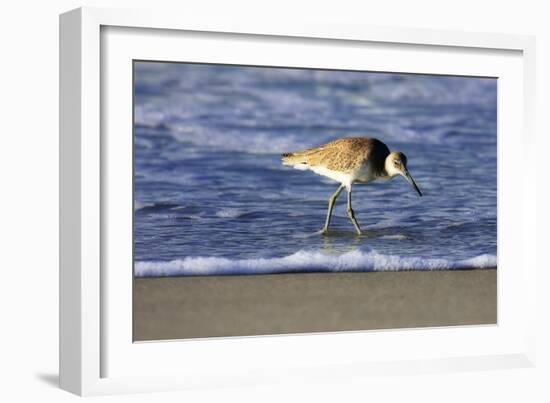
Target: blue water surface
{"points": [[211, 195]]}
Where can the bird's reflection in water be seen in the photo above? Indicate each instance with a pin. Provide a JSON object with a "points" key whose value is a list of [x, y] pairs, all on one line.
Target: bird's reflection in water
{"points": [[338, 242], [332, 241], [341, 241]]}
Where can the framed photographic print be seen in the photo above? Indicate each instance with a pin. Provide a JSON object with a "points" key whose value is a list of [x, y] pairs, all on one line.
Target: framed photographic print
{"points": [[213, 198], [248, 197]]}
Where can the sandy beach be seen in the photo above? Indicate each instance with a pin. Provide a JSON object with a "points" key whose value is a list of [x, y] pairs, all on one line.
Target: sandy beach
{"points": [[194, 307]]}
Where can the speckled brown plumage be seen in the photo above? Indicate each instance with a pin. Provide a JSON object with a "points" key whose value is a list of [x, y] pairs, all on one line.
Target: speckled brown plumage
{"points": [[343, 155]]}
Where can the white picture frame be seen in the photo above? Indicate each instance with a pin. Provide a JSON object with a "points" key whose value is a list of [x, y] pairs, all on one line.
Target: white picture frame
{"points": [[97, 357]]}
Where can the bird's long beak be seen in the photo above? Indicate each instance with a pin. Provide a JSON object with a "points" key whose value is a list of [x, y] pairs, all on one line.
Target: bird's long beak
{"points": [[410, 179]]}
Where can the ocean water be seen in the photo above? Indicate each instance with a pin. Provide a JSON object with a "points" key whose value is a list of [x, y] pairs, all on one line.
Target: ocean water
{"points": [[211, 195]]}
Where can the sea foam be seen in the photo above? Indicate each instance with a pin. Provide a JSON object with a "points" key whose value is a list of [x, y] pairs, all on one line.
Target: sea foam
{"points": [[305, 261]]}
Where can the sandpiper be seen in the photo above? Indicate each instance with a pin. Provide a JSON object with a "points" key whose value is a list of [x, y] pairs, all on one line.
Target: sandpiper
{"points": [[348, 161]]}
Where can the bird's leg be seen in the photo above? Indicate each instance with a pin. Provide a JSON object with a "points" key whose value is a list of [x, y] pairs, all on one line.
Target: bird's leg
{"points": [[351, 214], [331, 202]]}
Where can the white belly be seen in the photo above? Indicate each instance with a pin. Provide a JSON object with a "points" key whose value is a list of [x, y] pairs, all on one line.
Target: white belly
{"points": [[363, 175], [344, 178]]}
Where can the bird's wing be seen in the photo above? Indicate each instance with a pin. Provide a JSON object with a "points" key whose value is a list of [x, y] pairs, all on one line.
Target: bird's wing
{"points": [[342, 155]]}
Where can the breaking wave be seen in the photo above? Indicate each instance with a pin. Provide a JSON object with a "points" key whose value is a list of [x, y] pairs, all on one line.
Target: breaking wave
{"points": [[305, 261]]}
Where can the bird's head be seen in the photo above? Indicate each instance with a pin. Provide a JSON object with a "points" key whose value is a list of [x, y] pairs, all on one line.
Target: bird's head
{"points": [[396, 164]]}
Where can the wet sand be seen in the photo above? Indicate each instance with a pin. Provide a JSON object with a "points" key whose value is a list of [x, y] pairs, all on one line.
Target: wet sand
{"points": [[194, 307]]}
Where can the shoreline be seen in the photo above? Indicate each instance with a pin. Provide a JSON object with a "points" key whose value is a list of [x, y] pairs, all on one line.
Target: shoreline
{"points": [[167, 308], [310, 272]]}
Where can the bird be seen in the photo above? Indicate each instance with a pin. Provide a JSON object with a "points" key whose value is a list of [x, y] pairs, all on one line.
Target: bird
{"points": [[348, 161]]}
